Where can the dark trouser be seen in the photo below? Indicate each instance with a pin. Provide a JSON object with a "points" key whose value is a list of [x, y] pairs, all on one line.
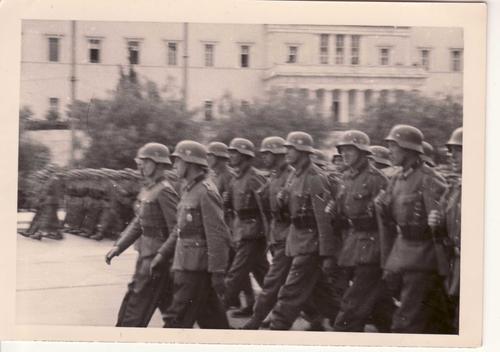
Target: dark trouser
{"points": [[49, 222], [144, 295], [306, 282], [35, 223], [424, 307], [246, 285], [250, 257], [75, 212], [274, 279], [195, 301], [92, 216], [367, 296]]}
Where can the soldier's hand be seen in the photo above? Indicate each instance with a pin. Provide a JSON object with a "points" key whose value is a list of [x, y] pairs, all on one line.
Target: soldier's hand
{"points": [[434, 219], [113, 252], [218, 284], [330, 208], [156, 265], [329, 264]]}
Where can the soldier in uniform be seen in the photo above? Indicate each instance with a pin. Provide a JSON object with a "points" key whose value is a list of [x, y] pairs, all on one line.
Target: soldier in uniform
{"points": [[308, 244], [381, 160], [248, 225], [93, 204], [448, 220], [354, 214], [409, 247], [108, 217], [273, 151], [222, 176], [155, 218], [199, 246], [428, 155]]}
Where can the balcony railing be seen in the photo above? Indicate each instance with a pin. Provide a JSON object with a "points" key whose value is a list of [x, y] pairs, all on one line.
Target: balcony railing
{"points": [[344, 71]]}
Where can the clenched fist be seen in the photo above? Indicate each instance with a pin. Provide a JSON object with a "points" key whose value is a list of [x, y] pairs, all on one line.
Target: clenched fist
{"points": [[434, 219]]}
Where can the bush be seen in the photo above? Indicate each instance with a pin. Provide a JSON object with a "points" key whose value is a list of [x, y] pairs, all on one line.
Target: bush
{"points": [[134, 115]]}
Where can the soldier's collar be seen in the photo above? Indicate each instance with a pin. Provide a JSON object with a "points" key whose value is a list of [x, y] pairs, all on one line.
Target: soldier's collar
{"points": [[154, 181], [280, 169], [194, 181], [405, 173], [358, 168], [301, 168], [241, 171]]}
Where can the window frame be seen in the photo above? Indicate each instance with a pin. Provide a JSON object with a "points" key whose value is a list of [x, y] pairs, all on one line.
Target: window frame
{"points": [[172, 59], [246, 55], [339, 50], [137, 44], [381, 57], [57, 41], [208, 110], [292, 58], [209, 56], [453, 60], [91, 47], [324, 48], [356, 56]]}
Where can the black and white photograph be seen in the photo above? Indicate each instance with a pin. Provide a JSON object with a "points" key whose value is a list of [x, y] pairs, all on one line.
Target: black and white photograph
{"points": [[246, 176]]}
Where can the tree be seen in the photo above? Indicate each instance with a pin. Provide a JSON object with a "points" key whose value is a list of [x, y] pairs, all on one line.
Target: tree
{"points": [[436, 118], [276, 114], [134, 115]]}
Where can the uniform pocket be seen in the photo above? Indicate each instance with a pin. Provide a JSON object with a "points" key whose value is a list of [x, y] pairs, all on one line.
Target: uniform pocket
{"points": [[191, 255], [368, 250]]}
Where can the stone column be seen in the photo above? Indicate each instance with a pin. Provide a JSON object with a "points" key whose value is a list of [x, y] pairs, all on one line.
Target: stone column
{"points": [[327, 104], [375, 96], [344, 106], [360, 102]]}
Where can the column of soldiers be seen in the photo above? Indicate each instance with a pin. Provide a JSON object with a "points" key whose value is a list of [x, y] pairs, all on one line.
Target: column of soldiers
{"points": [[98, 203], [371, 238]]}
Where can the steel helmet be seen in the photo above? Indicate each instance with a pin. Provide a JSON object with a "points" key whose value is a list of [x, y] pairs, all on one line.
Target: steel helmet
{"points": [[319, 158], [218, 149], [428, 156], [275, 145], [157, 152], [191, 152], [380, 155], [407, 137], [456, 137], [243, 146], [356, 139], [300, 140]]}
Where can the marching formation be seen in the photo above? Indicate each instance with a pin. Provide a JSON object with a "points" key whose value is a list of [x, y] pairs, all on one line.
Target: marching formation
{"points": [[369, 237]]}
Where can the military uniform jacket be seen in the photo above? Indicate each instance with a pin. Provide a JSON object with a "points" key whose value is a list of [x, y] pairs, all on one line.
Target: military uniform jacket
{"points": [[356, 214], [222, 180], [155, 217], [280, 217], [407, 240], [247, 223], [303, 236], [451, 207], [201, 237]]}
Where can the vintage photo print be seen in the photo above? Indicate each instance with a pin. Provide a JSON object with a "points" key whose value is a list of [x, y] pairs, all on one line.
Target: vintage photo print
{"points": [[232, 172]]}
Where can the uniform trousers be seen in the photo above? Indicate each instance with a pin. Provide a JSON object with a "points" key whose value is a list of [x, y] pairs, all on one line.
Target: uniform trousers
{"points": [[195, 301]]}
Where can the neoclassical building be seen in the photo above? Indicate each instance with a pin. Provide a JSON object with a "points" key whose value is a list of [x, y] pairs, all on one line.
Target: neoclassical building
{"points": [[340, 69]]}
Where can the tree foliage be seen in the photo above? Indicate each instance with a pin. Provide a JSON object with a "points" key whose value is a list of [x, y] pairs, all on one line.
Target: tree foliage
{"points": [[135, 114], [435, 117]]}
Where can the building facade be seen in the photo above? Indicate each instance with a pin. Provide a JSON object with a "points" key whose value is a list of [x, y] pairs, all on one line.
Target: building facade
{"points": [[337, 69]]}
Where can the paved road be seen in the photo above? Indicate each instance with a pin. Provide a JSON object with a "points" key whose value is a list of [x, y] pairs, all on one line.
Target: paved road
{"points": [[68, 283]]}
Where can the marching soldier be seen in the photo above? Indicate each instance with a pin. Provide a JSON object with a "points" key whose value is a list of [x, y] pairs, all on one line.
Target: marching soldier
{"points": [[200, 243], [222, 176], [410, 250], [108, 217], [155, 218], [248, 225], [310, 243], [75, 205], [381, 160], [93, 204], [448, 220], [273, 151], [354, 214]]}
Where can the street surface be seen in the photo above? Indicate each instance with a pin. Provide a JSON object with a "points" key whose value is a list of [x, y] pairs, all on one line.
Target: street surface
{"points": [[67, 282]]}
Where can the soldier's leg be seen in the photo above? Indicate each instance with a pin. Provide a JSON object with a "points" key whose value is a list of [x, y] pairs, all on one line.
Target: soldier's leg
{"points": [[300, 282], [212, 314], [260, 264], [189, 298], [240, 268], [415, 311], [275, 278], [141, 298], [359, 299]]}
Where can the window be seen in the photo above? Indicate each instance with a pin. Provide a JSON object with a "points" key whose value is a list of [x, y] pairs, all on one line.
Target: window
{"points": [[54, 104], [133, 52], [292, 54], [54, 49], [245, 56], [355, 49], [323, 49], [94, 51], [339, 49], [424, 58], [208, 110], [456, 60], [384, 56], [209, 55], [172, 54]]}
